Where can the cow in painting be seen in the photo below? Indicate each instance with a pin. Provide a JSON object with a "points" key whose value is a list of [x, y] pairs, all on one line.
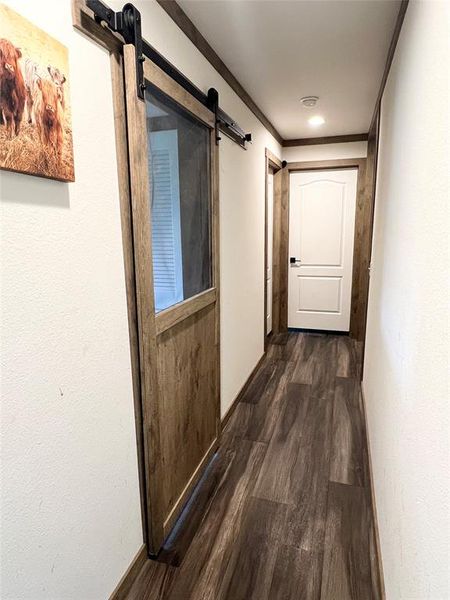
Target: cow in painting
{"points": [[31, 71], [12, 87], [59, 79], [47, 115]]}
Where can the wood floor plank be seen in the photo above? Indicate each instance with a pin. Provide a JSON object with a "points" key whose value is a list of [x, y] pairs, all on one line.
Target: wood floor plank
{"points": [[308, 346], [297, 574], [276, 348], [345, 357], [283, 346], [377, 593], [256, 421], [153, 582], [257, 386], [249, 572], [296, 467], [281, 339], [237, 424], [348, 459], [261, 425], [346, 571], [325, 366], [204, 567], [305, 524], [279, 478]]}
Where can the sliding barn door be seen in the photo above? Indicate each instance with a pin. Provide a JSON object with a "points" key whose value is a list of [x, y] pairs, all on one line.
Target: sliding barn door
{"points": [[172, 156]]}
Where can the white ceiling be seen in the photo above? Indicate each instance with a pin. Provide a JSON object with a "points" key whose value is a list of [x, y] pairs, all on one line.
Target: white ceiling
{"points": [[281, 50]]}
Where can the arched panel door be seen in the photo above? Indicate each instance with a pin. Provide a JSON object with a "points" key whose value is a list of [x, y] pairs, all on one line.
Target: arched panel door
{"points": [[321, 238]]}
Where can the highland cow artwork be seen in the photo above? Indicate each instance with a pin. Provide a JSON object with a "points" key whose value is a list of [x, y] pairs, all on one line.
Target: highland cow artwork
{"points": [[35, 115]]}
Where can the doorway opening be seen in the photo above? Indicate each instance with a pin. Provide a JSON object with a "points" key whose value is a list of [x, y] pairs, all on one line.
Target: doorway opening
{"points": [[273, 175], [317, 287]]}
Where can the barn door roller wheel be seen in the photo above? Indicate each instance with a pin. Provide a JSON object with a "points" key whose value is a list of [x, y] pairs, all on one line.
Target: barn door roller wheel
{"points": [[127, 22]]}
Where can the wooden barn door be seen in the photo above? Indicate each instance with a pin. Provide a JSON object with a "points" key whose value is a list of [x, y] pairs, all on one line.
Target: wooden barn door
{"points": [[172, 155]]}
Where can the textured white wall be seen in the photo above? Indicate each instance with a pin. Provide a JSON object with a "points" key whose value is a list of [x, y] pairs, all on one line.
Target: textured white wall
{"points": [[70, 515], [70, 497], [241, 206], [325, 151], [407, 367]]}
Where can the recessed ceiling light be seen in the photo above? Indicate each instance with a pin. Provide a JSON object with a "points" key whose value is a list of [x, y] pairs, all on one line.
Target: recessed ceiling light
{"points": [[309, 101], [316, 121]]}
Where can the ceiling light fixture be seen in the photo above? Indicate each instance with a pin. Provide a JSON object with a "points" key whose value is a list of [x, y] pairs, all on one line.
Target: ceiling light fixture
{"points": [[309, 101], [316, 121]]}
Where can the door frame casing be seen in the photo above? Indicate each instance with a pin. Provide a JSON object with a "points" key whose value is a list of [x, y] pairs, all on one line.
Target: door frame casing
{"points": [[272, 162], [362, 239]]}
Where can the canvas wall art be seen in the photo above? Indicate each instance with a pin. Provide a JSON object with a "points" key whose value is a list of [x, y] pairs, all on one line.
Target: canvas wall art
{"points": [[35, 112]]}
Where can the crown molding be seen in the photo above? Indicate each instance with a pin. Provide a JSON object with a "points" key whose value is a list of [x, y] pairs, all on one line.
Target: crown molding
{"points": [[390, 57], [332, 139]]}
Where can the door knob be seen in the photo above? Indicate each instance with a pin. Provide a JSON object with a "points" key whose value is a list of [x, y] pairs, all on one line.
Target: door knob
{"points": [[294, 262]]}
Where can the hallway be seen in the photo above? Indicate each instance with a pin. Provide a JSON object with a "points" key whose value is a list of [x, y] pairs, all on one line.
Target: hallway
{"points": [[225, 334], [284, 510]]}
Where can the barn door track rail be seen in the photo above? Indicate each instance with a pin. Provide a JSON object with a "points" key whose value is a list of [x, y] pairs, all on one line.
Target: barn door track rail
{"points": [[128, 24]]}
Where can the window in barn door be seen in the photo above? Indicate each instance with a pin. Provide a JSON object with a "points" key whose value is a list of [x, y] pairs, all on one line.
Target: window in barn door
{"points": [[180, 199]]}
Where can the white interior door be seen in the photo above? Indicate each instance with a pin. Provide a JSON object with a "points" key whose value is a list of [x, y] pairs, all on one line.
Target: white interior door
{"points": [[269, 287], [321, 236]]}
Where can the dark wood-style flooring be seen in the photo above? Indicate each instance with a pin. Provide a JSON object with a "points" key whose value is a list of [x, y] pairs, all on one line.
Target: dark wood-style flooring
{"points": [[284, 511]]}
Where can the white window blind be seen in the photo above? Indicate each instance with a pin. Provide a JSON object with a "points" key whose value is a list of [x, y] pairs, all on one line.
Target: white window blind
{"points": [[165, 213]]}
